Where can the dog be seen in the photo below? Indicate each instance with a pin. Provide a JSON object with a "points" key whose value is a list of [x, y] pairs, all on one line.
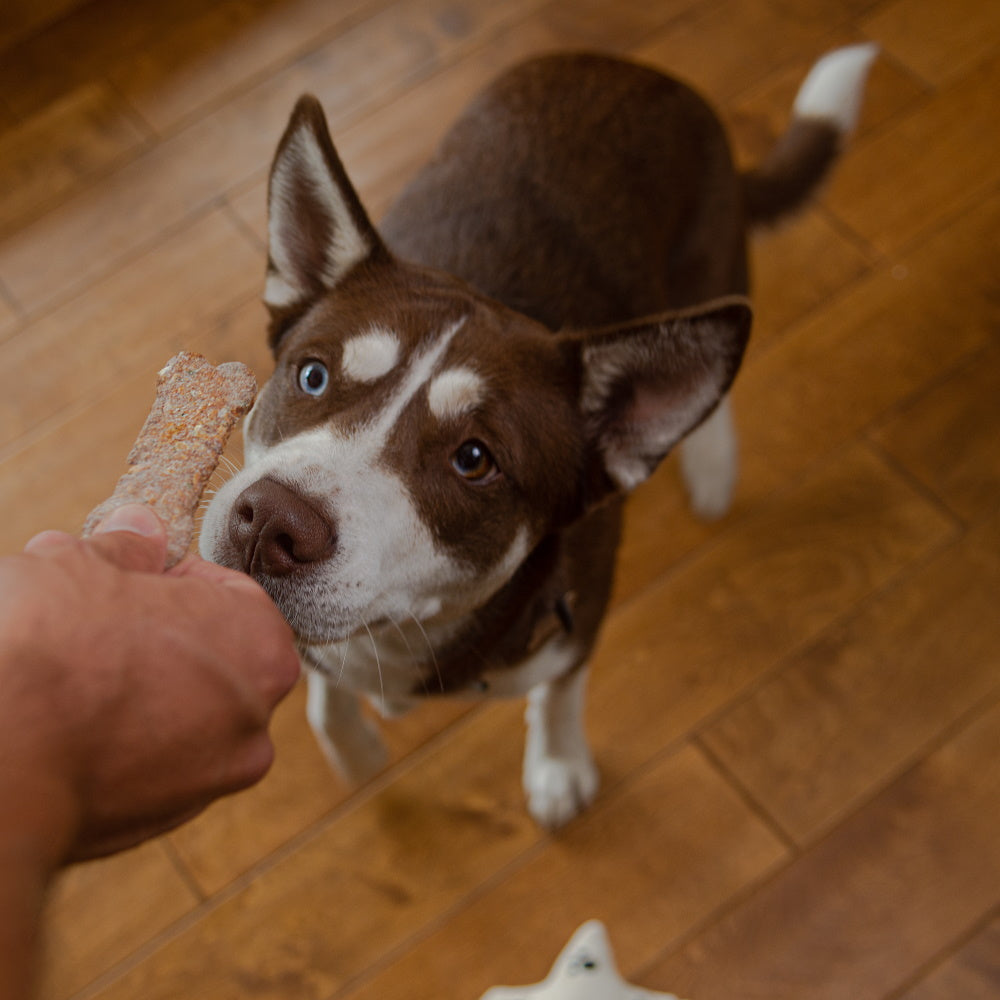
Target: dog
{"points": [[434, 474]]}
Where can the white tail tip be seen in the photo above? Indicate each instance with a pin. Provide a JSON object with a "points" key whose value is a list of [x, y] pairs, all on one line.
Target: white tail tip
{"points": [[835, 86]]}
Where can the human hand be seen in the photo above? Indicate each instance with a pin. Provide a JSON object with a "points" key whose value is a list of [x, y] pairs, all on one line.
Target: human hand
{"points": [[131, 698]]}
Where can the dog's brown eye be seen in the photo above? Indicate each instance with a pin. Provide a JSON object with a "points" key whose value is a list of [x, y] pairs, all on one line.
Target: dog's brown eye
{"points": [[473, 461]]}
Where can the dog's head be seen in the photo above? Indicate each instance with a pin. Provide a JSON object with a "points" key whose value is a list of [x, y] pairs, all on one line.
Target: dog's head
{"points": [[417, 440]]}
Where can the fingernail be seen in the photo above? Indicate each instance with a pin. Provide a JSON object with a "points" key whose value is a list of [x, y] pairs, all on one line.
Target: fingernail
{"points": [[132, 517]]}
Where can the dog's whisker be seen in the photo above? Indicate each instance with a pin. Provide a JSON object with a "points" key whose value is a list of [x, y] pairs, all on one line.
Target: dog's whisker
{"points": [[343, 660], [230, 466], [430, 647], [378, 662], [411, 655]]}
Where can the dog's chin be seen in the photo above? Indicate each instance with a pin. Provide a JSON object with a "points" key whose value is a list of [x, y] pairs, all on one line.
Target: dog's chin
{"points": [[312, 623], [318, 622]]}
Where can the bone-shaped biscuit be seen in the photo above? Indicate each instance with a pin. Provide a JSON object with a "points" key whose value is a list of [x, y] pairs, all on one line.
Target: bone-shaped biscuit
{"points": [[196, 408]]}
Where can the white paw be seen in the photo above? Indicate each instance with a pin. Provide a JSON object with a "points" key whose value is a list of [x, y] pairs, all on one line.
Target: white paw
{"points": [[558, 788]]}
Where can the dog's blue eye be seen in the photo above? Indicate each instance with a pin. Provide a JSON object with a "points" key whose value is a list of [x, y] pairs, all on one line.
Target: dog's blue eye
{"points": [[473, 461], [313, 378]]}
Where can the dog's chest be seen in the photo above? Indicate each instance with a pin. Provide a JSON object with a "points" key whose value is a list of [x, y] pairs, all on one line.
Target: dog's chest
{"points": [[498, 655]]}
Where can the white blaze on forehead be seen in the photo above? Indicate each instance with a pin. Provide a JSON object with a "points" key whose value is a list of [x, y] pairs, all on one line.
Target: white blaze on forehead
{"points": [[371, 355], [454, 393], [420, 371]]}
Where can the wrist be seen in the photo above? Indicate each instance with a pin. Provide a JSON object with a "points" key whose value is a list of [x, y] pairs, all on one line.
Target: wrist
{"points": [[39, 819]]}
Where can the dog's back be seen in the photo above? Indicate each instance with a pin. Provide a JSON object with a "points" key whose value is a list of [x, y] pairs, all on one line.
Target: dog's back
{"points": [[583, 190], [573, 190]]}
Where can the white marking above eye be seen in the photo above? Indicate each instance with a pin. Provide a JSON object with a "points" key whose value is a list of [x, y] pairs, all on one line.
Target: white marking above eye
{"points": [[454, 393], [370, 355]]}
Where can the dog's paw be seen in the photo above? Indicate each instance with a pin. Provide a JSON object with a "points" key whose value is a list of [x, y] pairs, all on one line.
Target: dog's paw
{"points": [[558, 788]]}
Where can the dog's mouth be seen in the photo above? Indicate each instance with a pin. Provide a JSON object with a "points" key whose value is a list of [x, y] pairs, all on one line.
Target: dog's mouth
{"points": [[312, 608]]}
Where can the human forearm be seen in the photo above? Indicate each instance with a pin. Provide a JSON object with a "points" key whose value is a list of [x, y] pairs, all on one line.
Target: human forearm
{"points": [[37, 823]]}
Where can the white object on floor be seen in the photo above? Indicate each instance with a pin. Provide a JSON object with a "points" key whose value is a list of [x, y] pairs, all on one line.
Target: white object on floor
{"points": [[584, 970]]}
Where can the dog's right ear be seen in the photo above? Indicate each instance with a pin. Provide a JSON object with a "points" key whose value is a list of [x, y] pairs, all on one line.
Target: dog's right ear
{"points": [[317, 227]]}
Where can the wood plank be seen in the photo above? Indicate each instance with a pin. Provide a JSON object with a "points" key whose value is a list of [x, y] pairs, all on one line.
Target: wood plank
{"points": [[102, 911], [141, 315], [384, 150], [923, 170], [939, 43], [887, 337], [78, 49], [872, 902], [780, 577], [795, 269], [300, 790], [846, 714], [361, 886], [184, 174], [9, 320], [947, 437], [973, 973], [691, 842], [249, 205], [22, 17], [611, 27], [195, 62], [58, 151], [660, 530], [724, 48]]}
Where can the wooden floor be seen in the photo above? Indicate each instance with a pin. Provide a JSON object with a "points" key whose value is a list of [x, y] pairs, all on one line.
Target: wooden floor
{"points": [[796, 711]]}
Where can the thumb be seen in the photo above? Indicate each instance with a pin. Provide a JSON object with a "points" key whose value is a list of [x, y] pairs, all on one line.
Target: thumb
{"points": [[131, 537]]}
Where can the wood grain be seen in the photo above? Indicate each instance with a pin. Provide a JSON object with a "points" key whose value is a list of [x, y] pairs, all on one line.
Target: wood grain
{"points": [[928, 165], [542, 902], [872, 901], [938, 43], [814, 741], [85, 347], [102, 911], [695, 640], [881, 341], [943, 437], [56, 153], [972, 973]]}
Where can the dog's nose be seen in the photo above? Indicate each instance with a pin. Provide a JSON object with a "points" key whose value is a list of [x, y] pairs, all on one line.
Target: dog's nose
{"points": [[277, 532]]}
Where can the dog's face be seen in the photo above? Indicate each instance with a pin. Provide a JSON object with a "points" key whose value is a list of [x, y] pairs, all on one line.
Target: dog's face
{"points": [[416, 440], [411, 447]]}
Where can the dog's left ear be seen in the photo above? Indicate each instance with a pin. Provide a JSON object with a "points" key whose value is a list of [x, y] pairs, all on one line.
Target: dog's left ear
{"points": [[647, 384], [317, 227]]}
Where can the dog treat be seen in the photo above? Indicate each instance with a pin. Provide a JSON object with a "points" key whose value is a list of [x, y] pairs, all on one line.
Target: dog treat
{"points": [[196, 408]]}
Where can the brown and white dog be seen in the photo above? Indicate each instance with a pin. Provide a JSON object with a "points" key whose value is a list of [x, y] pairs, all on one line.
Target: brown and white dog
{"points": [[434, 473]]}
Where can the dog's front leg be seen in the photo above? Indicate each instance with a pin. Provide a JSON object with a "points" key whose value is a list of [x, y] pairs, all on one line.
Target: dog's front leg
{"points": [[350, 741], [709, 463], [560, 778]]}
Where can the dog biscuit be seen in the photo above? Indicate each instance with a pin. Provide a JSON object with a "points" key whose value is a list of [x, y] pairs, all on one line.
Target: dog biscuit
{"points": [[196, 408]]}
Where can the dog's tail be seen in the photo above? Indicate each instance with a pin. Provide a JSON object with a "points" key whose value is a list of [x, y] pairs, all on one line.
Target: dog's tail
{"points": [[825, 113]]}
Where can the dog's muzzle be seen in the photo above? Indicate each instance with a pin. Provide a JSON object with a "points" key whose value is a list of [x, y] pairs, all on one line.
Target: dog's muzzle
{"points": [[276, 532]]}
